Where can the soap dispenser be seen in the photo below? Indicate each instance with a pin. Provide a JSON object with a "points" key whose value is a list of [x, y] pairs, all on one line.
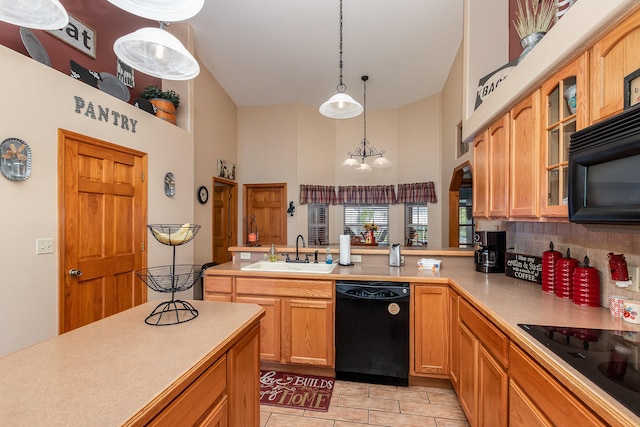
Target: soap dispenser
{"points": [[273, 255], [328, 257]]}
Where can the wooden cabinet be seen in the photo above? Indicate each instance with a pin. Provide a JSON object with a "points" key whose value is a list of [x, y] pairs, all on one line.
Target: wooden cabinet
{"points": [[491, 171], [217, 288], [561, 117], [481, 176], [483, 381], [498, 138], [454, 333], [613, 57], [429, 316], [538, 399], [525, 158], [298, 324]]}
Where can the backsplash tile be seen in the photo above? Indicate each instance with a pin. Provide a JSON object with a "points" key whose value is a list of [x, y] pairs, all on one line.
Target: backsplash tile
{"points": [[533, 238]]}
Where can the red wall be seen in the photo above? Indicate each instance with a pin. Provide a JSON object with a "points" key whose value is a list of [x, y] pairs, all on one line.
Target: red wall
{"points": [[108, 21]]}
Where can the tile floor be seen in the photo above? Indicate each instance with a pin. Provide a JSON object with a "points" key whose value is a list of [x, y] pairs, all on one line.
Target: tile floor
{"points": [[357, 404]]}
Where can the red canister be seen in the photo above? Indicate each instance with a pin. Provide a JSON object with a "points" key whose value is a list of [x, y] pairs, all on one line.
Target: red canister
{"points": [[549, 259], [563, 286], [586, 285]]}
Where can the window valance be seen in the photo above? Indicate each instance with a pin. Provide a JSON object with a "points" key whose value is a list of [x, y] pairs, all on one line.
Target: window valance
{"points": [[318, 194], [367, 194], [420, 192]]}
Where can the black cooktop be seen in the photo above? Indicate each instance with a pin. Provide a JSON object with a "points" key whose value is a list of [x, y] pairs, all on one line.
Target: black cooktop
{"points": [[609, 358]]}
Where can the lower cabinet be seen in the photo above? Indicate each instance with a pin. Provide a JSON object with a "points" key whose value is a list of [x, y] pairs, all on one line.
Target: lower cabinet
{"points": [[430, 314], [538, 399], [454, 333], [225, 394], [483, 378], [298, 324]]}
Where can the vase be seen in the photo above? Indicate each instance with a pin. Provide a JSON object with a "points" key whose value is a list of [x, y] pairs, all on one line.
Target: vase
{"points": [[529, 42]]}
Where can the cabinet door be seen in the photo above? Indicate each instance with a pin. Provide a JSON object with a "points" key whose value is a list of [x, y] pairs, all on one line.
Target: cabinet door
{"points": [[243, 376], [522, 412], [270, 337], [218, 417], [454, 354], [218, 288], [308, 332], [559, 121], [499, 168], [492, 391], [431, 332], [525, 158], [468, 374], [613, 57], [480, 176]]}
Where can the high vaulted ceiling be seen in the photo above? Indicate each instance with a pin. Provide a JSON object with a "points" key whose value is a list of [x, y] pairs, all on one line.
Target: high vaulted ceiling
{"points": [[268, 52]]}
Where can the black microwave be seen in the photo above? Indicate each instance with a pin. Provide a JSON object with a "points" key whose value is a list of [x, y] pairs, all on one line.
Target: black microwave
{"points": [[604, 171]]}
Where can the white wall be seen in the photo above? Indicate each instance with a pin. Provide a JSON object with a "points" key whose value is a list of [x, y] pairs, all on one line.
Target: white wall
{"points": [[37, 101]]}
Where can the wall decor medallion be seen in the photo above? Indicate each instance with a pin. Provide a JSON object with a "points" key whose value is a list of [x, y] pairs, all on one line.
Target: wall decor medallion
{"points": [[15, 159], [169, 184], [632, 89]]}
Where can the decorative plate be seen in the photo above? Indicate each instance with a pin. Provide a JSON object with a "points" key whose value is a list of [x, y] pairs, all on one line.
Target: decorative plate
{"points": [[15, 159], [34, 47], [113, 86]]}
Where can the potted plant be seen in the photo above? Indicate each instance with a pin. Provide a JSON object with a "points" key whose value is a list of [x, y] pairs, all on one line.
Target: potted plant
{"points": [[532, 22], [164, 101]]}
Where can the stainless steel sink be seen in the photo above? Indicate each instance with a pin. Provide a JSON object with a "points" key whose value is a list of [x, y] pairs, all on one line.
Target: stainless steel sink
{"points": [[291, 267]]}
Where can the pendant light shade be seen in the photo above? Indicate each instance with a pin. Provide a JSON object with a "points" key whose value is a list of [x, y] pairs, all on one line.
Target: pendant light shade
{"points": [[341, 105], [38, 14], [161, 10], [157, 53]]}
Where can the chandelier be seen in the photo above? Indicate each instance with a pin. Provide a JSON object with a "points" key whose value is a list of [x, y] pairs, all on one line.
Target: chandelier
{"points": [[358, 156], [39, 14], [341, 105]]}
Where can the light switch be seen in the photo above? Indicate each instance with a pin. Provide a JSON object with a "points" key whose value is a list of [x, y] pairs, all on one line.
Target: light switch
{"points": [[44, 246]]}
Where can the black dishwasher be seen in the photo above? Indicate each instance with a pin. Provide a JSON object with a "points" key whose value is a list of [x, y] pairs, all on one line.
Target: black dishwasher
{"points": [[372, 332]]}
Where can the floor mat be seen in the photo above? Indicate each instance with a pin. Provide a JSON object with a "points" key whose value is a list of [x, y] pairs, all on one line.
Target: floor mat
{"points": [[298, 391]]}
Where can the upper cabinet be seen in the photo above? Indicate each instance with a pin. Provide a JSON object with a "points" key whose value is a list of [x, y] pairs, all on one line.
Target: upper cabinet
{"points": [[525, 157], [613, 57], [565, 110], [499, 167], [480, 175]]}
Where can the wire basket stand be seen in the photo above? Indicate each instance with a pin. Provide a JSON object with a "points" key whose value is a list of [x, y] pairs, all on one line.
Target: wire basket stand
{"points": [[172, 278]]}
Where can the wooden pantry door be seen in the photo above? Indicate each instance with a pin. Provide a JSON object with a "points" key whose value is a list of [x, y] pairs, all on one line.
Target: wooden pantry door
{"points": [[102, 223], [268, 203]]}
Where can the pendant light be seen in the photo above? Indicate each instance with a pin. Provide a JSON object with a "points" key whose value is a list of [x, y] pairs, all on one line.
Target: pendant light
{"points": [[38, 14], [161, 10], [341, 105], [365, 150], [157, 53]]}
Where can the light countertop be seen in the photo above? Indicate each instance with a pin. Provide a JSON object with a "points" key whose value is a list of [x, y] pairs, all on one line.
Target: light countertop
{"points": [[504, 300], [104, 373]]}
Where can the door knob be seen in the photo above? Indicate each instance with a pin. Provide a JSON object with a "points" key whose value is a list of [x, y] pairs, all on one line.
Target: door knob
{"points": [[75, 273]]}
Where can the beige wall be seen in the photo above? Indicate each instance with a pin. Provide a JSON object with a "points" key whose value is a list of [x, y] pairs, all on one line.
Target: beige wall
{"points": [[296, 145], [37, 102]]}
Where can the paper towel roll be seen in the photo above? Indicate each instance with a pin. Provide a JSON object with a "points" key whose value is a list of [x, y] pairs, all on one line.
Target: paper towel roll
{"points": [[345, 249]]}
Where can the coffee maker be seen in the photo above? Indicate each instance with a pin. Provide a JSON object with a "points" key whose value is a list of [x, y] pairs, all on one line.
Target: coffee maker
{"points": [[489, 255]]}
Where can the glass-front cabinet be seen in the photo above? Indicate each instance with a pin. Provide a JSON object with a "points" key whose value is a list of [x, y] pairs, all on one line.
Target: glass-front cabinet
{"points": [[565, 110]]}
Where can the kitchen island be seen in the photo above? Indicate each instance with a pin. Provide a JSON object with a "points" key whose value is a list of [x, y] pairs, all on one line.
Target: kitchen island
{"points": [[501, 302], [121, 371]]}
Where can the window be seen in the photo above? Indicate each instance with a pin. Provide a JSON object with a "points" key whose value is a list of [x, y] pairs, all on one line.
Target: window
{"points": [[318, 223], [465, 218], [356, 216], [416, 219]]}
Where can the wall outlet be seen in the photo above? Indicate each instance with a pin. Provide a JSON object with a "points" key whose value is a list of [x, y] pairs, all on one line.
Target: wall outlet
{"points": [[245, 255], [356, 258], [44, 246], [634, 276]]}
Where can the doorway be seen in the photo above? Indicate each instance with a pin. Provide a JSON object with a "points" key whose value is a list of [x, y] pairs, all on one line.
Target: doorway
{"points": [[461, 223], [264, 213], [224, 218], [102, 226]]}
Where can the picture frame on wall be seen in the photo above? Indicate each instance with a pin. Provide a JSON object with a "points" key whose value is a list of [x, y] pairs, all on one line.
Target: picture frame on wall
{"points": [[632, 89]]}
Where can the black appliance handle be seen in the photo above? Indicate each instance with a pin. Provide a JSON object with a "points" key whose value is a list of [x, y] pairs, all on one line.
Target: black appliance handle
{"points": [[372, 292]]}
